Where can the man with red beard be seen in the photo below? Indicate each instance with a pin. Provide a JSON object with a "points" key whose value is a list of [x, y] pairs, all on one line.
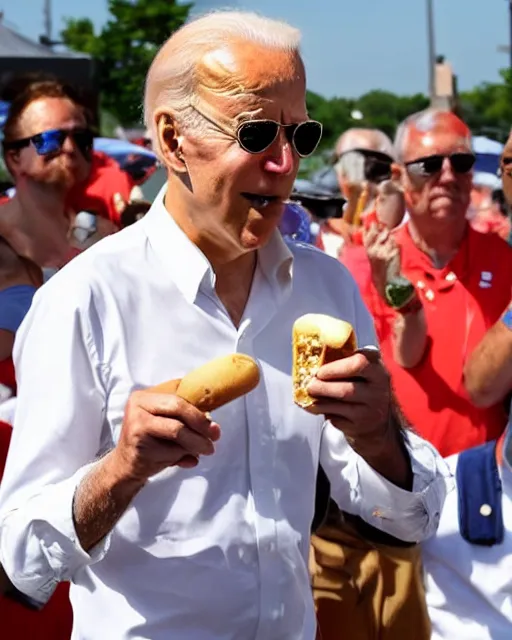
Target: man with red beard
{"points": [[459, 285], [47, 150]]}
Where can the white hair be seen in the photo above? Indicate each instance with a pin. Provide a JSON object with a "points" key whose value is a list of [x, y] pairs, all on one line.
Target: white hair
{"points": [[172, 81]]}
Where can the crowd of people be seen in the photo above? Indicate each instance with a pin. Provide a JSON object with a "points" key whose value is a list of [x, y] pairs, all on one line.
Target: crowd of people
{"points": [[127, 513]]}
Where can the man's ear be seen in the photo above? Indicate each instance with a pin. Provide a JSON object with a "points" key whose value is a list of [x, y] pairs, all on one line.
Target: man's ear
{"points": [[169, 142]]}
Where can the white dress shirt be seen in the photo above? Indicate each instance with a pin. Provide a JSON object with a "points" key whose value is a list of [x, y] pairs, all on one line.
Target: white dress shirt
{"points": [[469, 587], [215, 552]]}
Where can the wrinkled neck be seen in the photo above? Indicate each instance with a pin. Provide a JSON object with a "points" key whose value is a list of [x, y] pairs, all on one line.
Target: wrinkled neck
{"points": [[440, 242]]}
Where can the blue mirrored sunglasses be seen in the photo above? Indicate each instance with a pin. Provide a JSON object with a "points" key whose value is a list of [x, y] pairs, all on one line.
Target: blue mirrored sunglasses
{"points": [[51, 141]]}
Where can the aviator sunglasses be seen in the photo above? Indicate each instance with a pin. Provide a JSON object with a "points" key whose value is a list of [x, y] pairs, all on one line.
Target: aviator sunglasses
{"points": [[461, 163], [52, 140], [256, 136]]}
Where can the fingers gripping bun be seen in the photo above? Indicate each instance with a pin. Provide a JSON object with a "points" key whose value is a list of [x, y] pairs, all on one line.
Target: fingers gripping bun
{"points": [[215, 383], [317, 340]]}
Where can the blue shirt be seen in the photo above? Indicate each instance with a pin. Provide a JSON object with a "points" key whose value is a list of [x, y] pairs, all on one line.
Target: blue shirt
{"points": [[14, 304]]}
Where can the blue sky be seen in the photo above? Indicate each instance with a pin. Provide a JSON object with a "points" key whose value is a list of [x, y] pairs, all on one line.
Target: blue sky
{"points": [[349, 46]]}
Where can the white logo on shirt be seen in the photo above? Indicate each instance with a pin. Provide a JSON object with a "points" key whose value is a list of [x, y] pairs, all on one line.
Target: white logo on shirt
{"points": [[485, 280]]}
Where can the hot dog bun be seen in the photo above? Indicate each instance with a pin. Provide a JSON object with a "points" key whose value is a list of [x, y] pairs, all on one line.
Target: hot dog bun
{"points": [[215, 383], [317, 339]]}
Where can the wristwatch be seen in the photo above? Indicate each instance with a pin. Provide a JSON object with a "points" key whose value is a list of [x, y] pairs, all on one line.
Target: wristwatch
{"points": [[506, 318], [399, 292]]}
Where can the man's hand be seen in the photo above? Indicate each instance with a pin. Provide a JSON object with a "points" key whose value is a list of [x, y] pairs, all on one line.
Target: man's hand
{"points": [[355, 395], [159, 431], [383, 254], [390, 203]]}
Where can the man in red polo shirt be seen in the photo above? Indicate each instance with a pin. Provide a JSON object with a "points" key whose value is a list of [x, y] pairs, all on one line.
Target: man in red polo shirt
{"points": [[460, 283]]}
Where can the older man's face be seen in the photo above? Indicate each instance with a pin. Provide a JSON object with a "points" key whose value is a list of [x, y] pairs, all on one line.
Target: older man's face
{"points": [[238, 197], [442, 194]]}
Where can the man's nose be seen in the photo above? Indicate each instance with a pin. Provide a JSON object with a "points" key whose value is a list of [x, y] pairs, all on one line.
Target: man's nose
{"points": [[281, 157], [69, 144], [447, 172]]}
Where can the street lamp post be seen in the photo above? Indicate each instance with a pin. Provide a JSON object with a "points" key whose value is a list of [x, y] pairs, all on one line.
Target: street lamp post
{"points": [[48, 19], [432, 48]]}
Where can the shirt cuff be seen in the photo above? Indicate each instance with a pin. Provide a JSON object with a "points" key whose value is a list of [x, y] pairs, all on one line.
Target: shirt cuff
{"points": [[414, 515], [39, 546]]}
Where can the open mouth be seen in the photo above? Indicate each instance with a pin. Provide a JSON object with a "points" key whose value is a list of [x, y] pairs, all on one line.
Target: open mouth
{"points": [[260, 201]]}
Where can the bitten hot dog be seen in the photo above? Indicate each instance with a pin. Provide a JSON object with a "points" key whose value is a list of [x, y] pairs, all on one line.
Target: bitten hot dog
{"points": [[317, 340], [215, 383]]}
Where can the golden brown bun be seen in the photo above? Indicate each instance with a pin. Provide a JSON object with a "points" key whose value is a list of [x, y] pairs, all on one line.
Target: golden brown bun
{"points": [[215, 383], [317, 339]]}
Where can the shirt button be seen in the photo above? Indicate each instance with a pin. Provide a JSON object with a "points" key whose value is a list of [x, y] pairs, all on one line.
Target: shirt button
{"points": [[450, 277], [485, 510], [429, 295]]}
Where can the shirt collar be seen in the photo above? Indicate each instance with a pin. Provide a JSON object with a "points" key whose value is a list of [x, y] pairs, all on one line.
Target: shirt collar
{"points": [[416, 260], [191, 271]]}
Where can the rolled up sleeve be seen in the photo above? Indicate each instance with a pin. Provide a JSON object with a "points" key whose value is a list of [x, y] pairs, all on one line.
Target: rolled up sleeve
{"points": [[411, 516], [57, 436]]}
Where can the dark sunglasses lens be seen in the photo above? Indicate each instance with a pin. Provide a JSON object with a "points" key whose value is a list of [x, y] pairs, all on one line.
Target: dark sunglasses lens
{"points": [[306, 137], [377, 170], [84, 140], [432, 165], [49, 141], [462, 162], [255, 137]]}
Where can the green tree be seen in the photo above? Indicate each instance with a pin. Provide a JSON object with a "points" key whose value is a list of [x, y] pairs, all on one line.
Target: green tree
{"points": [[124, 49], [380, 110], [487, 108]]}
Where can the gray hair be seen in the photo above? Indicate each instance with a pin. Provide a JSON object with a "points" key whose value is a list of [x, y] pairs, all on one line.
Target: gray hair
{"points": [[172, 81]]}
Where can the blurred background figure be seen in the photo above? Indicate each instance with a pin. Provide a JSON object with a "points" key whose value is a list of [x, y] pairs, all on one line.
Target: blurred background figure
{"points": [[47, 147], [296, 223]]}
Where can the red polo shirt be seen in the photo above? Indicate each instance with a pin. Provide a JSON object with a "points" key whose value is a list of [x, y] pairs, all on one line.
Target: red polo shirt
{"points": [[462, 301], [55, 621], [107, 191]]}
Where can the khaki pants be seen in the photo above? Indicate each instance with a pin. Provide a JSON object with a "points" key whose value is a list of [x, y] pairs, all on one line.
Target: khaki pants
{"points": [[366, 591]]}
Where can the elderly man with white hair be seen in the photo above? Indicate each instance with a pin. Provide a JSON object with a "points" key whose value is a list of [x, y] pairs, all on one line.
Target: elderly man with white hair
{"points": [[167, 521]]}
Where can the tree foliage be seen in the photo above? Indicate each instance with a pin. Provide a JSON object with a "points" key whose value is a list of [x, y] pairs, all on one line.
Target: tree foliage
{"points": [[126, 45], [124, 49], [488, 107]]}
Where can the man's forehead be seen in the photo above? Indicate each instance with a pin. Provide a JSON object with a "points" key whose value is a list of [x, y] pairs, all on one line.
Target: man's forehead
{"points": [[436, 132], [369, 139], [49, 110], [245, 68]]}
